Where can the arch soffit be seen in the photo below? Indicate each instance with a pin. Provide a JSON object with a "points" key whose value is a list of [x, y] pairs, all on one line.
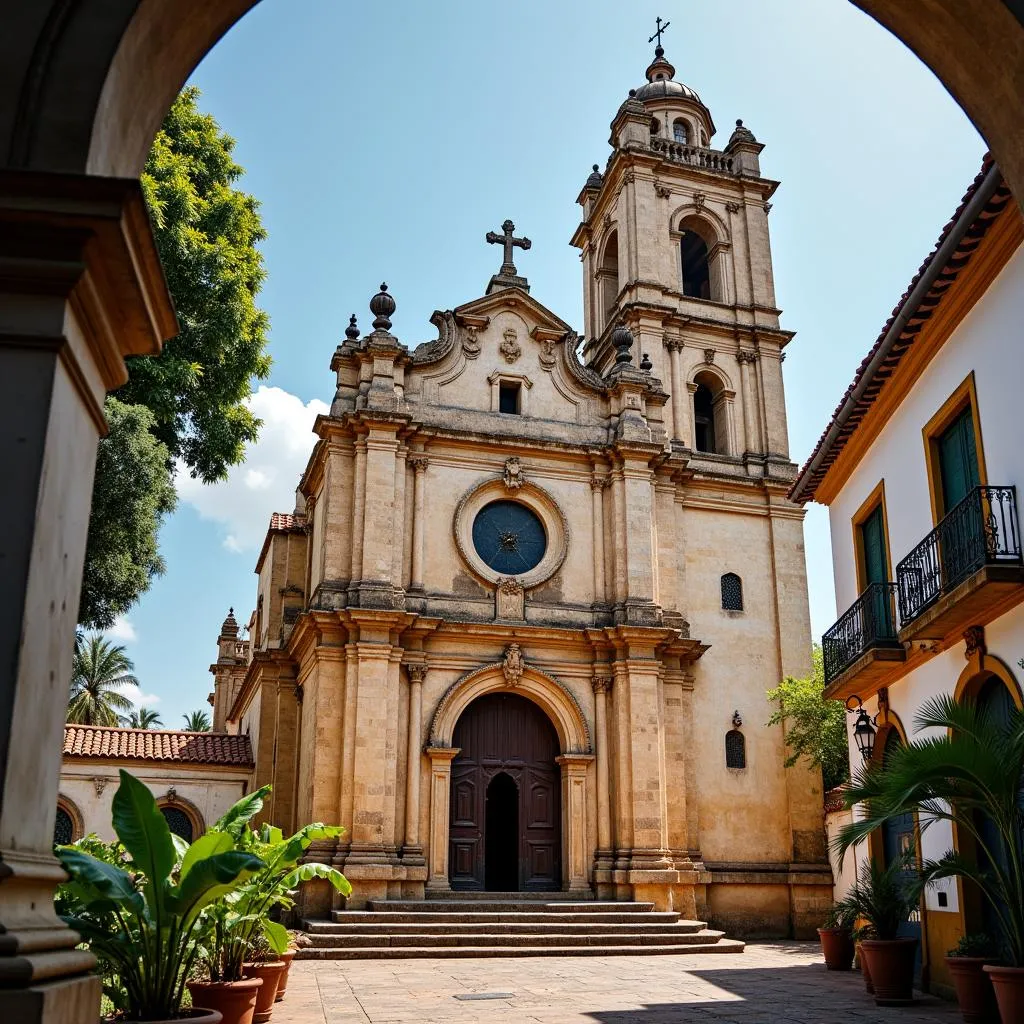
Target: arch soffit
{"points": [[893, 724], [551, 696], [977, 672], [711, 370], [703, 217], [612, 238]]}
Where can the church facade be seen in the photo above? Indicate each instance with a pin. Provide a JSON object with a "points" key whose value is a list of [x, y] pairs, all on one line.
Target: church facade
{"points": [[517, 632]]}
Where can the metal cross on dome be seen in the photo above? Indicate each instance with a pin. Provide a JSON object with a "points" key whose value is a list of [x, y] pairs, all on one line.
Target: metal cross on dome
{"points": [[657, 35], [508, 268]]}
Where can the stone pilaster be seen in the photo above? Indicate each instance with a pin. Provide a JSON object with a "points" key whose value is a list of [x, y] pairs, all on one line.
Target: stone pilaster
{"points": [[419, 466], [440, 796], [412, 849], [80, 288], [575, 869], [597, 486], [602, 683]]}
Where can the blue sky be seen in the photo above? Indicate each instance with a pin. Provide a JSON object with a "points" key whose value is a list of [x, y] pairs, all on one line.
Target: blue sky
{"points": [[384, 141]]}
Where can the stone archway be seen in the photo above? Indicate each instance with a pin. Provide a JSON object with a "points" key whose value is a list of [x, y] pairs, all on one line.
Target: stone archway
{"points": [[574, 758], [85, 86]]}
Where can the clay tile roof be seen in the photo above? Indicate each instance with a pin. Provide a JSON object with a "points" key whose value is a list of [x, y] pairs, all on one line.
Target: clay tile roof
{"points": [[95, 741], [892, 345], [287, 521]]}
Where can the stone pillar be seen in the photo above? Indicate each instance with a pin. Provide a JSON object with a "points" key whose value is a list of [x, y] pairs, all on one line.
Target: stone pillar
{"points": [[597, 485], [419, 466], [679, 394], [602, 684], [377, 586], [748, 392], [440, 795], [358, 511], [575, 861], [80, 288], [412, 850]]}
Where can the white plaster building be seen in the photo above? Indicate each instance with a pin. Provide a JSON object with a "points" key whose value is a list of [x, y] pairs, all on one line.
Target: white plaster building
{"points": [[919, 467]]}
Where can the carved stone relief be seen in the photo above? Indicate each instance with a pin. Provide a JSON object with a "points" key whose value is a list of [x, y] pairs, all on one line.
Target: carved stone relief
{"points": [[470, 342], [509, 601], [513, 473], [509, 346], [709, 356], [547, 353], [512, 665]]}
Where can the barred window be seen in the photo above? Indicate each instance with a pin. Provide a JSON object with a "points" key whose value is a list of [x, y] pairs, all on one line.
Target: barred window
{"points": [[63, 829], [732, 592], [735, 749], [178, 822]]}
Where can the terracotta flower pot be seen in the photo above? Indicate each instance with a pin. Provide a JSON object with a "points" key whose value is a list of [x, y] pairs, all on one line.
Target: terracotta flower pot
{"points": [[974, 991], [891, 963], [196, 1015], [235, 1001], [1008, 983], [270, 972], [837, 945], [864, 969], [288, 956]]}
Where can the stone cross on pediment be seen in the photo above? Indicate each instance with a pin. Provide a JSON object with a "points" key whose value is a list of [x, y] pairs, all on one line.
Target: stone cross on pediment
{"points": [[507, 276]]}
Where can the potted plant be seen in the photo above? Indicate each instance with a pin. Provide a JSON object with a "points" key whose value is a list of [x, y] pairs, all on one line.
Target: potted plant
{"points": [[242, 927], [859, 935], [967, 772], [974, 991], [143, 917], [882, 898], [836, 937], [295, 942]]}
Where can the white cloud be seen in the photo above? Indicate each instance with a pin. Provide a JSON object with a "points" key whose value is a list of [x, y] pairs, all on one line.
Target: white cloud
{"points": [[140, 699], [123, 630], [266, 481]]}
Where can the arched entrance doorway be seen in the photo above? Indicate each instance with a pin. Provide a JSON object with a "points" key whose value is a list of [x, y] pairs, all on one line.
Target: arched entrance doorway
{"points": [[899, 842], [505, 825]]}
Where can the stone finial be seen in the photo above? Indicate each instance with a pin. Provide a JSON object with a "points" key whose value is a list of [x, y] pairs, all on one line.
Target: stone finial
{"points": [[596, 179], [352, 331], [740, 134], [229, 627], [622, 339], [382, 306], [645, 363]]}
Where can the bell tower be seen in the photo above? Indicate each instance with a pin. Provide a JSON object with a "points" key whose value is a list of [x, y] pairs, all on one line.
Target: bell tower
{"points": [[674, 243]]}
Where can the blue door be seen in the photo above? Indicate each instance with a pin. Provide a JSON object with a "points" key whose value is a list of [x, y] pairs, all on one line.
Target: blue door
{"points": [[899, 841]]}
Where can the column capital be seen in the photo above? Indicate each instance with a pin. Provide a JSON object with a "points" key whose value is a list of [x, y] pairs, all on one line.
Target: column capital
{"points": [[602, 682], [746, 356], [417, 672], [575, 764], [599, 483], [419, 463], [442, 755]]}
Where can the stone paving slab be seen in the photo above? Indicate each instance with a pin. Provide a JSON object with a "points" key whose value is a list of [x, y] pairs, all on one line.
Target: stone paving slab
{"points": [[784, 982]]}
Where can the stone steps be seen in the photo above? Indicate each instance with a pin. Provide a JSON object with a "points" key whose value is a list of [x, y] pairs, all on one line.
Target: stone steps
{"points": [[323, 932], [508, 924]]}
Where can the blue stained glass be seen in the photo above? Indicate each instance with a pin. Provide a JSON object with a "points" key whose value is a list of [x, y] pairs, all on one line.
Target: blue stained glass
{"points": [[509, 537]]}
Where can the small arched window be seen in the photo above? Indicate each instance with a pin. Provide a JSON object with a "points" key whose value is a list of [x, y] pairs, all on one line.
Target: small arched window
{"points": [[178, 822], [735, 749], [655, 126], [704, 419], [732, 592], [679, 132], [63, 829]]}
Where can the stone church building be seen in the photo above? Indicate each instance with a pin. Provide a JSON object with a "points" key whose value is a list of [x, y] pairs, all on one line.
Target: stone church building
{"points": [[517, 632]]}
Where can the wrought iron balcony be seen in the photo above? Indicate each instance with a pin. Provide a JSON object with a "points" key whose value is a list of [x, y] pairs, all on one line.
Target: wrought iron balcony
{"points": [[979, 533], [869, 624]]}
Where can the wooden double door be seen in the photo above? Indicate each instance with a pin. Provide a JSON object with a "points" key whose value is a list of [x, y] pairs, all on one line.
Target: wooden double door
{"points": [[505, 827]]}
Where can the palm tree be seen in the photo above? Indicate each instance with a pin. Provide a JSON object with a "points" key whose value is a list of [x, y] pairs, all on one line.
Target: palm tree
{"points": [[143, 718], [971, 774], [100, 670], [197, 721]]}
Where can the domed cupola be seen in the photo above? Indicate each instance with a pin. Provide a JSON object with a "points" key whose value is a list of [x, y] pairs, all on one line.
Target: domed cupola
{"points": [[678, 114]]}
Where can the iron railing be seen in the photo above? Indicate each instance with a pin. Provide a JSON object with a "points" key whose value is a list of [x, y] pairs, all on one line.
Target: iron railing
{"points": [[980, 530], [868, 623]]}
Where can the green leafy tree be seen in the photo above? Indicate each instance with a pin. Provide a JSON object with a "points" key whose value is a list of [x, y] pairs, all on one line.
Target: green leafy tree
{"points": [[207, 231], [815, 727], [132, 493], [143, 718], [197, 721], [101, 670]]}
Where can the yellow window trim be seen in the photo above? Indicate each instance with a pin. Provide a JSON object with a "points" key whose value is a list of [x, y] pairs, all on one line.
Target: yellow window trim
{"points": [[964, 397], [875, 499]]}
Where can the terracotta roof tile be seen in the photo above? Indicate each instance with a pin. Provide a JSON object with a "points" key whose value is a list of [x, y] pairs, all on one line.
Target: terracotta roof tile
{"points": [[287, 521], [94, 741], [848, 415]]}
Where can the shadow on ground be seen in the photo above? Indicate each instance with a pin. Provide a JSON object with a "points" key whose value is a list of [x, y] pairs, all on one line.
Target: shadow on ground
{"points": [[799, 993]]}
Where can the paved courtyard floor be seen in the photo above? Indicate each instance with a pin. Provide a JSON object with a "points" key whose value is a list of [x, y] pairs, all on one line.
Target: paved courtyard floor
{"points": [[780, 981]]}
